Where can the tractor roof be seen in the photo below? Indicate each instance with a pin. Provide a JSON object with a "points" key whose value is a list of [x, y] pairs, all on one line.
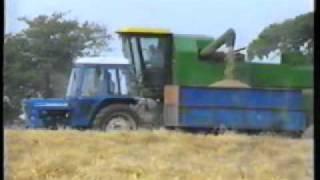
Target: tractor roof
{"points": [[102, 60], [142, 30], [194, 36]]}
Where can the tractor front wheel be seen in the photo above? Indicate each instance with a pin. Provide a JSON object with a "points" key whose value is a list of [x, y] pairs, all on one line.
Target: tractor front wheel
{"points": [[118, 117]]}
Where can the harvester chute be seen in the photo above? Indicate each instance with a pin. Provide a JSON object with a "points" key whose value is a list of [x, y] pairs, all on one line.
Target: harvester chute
{"points": [[228, 38]]}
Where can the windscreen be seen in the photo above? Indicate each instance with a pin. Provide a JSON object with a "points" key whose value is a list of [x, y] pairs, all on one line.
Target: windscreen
{"points": [[73, 82], [100, 81], [94, 81]]}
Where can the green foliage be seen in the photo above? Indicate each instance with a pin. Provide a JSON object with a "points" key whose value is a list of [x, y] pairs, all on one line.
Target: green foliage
{"points": [[54, 40], [295, 58], [19, 74], [47, 46], [288, 37]]}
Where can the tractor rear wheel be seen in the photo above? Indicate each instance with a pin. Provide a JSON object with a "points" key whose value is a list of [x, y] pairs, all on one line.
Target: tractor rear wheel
{"points": [[117, 117]]}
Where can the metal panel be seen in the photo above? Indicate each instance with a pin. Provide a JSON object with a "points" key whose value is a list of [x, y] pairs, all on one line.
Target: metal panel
{"points": [[171, 95], [270, 120], [196, 117], [242, 119], [171, 115], [242, 98], [241, 109], [230, 118]]}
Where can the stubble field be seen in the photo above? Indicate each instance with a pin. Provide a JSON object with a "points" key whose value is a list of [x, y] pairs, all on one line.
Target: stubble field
{"points": [[74, 155]]}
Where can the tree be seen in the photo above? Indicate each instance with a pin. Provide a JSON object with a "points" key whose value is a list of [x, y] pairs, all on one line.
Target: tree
{"points": [[47, 46], [54, 42], [18, 75], [289, 37]]}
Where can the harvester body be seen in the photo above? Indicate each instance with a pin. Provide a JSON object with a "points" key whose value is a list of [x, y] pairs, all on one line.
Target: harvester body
{"points": [[184, 64]]}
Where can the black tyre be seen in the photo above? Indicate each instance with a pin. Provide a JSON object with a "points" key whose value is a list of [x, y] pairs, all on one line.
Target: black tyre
{"points": [[169, 128], [117, 117]]}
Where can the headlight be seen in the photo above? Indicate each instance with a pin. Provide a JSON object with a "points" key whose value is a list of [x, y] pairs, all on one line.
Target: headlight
{"points": [[23, 109], [22, 116]]}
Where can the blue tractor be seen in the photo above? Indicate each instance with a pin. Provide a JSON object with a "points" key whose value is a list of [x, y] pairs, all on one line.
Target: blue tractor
{"points": [[100, 95]]}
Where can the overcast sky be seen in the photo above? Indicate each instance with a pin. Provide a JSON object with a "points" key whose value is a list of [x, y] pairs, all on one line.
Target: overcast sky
{"points": [[210, 17]]}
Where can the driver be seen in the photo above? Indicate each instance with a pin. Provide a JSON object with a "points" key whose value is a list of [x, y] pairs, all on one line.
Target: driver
{"points": [[156, 56], [111, 84]]}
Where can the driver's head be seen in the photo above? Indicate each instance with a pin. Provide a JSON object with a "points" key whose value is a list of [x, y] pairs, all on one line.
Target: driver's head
{"points": [[152, 48]]}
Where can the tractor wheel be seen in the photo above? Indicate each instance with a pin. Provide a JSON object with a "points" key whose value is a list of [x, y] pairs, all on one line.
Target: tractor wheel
{"points": [[118, 117]]}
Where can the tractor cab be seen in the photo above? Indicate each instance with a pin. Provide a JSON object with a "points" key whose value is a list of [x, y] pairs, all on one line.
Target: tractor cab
{"points": [[149, 51], [100, 76]]}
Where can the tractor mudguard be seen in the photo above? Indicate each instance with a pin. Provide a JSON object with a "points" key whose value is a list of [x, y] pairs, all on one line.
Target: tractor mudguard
{"points": [[109, 101]]}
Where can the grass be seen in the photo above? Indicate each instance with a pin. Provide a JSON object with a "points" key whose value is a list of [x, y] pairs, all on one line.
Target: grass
{"points": [[73, 155]]}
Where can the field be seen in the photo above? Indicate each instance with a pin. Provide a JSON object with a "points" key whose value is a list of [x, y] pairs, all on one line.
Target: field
{"points": [[74, 155]]}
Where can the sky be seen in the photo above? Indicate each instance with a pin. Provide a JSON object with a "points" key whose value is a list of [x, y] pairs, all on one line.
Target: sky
{"points": [[206, 17]]}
